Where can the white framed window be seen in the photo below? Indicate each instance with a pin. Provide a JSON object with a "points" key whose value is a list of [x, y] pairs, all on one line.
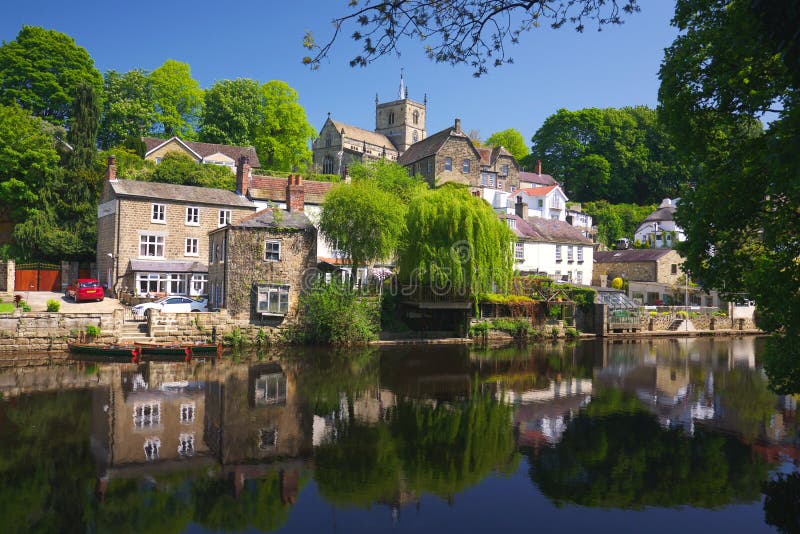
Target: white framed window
{"points": [[580, 254], [224, 217], [186, 445], [465, 165], [512, 223], [151, 283], [570, 253], [270, 389], [187, 412], [177, 284], [158, 213], [192, 247], [192, 216], [540, 203], [448, 164], [504, 170], [151, 246], [151, 447], [197, 284], [519, 250], [273, 299], [558, 253], [146, 414], [272, 250]]}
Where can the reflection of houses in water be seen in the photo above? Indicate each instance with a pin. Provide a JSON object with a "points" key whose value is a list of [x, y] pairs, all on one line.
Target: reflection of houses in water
{"points": [[369, 407], [742, 352]]}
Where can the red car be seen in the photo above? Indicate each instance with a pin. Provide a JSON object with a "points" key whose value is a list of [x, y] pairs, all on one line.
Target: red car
{"points": [[85, 289]]}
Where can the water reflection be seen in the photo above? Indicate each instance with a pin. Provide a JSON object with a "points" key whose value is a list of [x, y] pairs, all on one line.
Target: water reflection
{"points": [[241, 444]]}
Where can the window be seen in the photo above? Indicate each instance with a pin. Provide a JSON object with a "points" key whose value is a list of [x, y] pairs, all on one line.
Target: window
{"points": [[513, 188], [391, 118], [580, 254], [448, 164], [465, 165], [484, 179], [151, 447], [512, 223], [415, 117], [192, 216], [267, 438], [579, 277], [270, 389], [177, 284], [273, 251], [187, 412], [198, 284], [158, 213], [224, 217], [151, 283], [540, 203], [558, 253], [499, 184], [430, 166], [504, 170], [519, 250], [186, 445], [151, 246], [674, 268], [415, 136], [192, 244], [570, 253], [273, 299], [327, 165], [146, 414]]}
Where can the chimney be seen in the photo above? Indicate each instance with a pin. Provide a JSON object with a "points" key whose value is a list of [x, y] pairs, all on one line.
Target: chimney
{"points": [[458, 125], [521, 209], [111, 169], [538, 166], [295, 194], [243, 175]]}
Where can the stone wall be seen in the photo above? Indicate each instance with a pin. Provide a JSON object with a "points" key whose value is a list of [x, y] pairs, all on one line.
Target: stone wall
{"points": [[7, 277], [459, 149], [200, 327], [42, 331]]}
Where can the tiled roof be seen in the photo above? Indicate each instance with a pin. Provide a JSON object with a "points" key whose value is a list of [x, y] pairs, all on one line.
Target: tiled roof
{"points": [[207, 149], [266, 219], [182, 193], [274, 189], [543, 230], [361, 134], [631, 255], [538, 191], [532, 177]]}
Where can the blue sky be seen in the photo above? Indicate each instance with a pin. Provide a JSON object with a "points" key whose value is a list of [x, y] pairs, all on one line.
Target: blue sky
{"points": [[263, 40]]}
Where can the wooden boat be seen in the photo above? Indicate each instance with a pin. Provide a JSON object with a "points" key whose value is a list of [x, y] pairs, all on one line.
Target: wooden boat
{"points": [[177, 351], [115, 352]]}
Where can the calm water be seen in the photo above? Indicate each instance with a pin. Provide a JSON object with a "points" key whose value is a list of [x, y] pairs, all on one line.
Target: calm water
{"points": [[662, 436]]}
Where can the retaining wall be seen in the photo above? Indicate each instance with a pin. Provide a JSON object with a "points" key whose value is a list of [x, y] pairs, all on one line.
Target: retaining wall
{"points": [[43, 331]]}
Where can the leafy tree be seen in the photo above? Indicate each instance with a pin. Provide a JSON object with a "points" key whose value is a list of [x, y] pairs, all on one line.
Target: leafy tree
{"points": [[616, 220], [233, 110], [732, 63], [128, 108], [621, 155], [83, 125], [178, 100], [390, 177], [462, 31], [457, 241], [512, 140], [41, 71], [335, 315], [181, 169], [363, 221]]}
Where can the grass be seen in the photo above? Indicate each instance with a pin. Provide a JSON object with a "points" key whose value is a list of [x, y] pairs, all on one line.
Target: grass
{"points": [[7, 307]]}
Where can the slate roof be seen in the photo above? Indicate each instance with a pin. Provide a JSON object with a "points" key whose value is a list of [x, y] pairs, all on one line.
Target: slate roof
{"points": [[661, 214], [181, 193], [361, 134], [543, 230], [274, 189], [207, 149], [490, 154], [631, 255], [168, 266], [541, 179], [266, 219]]}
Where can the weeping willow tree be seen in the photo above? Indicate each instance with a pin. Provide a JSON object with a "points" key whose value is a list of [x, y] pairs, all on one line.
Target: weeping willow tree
{"points": [[456, 240]]}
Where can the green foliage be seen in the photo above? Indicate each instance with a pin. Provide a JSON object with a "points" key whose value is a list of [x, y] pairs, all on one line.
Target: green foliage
{"points": [[128, 107], [53, 305], [496, 298], [731, 63], [83, 124], [333, 314], [390, 177], [456, 239], [615, 221], [782, 502], [178, 100], [179, 168], [92, 330], [571, 333], [512, 140], [363, 221], [130, 166], [617, 283], [7, 307], [621, 155], [234, 338], [41, 71]]}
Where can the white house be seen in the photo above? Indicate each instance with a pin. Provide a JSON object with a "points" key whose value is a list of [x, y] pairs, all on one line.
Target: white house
{"points": [[551, 247], [547, 202], [659, 228]]}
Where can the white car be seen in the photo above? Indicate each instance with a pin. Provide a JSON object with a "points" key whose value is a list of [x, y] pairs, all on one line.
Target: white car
{"points": [[172, 305]]}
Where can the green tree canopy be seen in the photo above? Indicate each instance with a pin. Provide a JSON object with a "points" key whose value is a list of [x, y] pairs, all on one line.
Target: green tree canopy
{"points": [[179, 168], [456, 239], [178, 100], [620, 155], [614, 221], [83, 125], [731, 63], [390, 177], [233, 110], [41, 71], [512, 140], [128, 107]]}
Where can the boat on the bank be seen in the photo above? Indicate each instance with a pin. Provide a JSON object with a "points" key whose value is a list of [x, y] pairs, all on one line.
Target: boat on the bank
{"points": [[178, 351], [115, 352]]}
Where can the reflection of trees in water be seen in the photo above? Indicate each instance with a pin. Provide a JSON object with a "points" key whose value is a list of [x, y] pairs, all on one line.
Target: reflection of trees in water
{"points": [[782, 502], [46, 467], [440, 449], [625, 459], [748, 404], [782, 363]]}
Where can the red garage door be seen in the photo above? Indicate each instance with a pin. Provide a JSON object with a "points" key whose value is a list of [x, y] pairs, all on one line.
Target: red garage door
{"points": [[37, 277]]}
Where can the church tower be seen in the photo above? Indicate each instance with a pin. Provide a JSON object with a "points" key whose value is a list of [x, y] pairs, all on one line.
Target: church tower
{"points": [[401, 120]]}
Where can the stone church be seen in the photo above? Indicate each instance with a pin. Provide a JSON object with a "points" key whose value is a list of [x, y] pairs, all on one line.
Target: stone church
{"points": [[398, 125]]}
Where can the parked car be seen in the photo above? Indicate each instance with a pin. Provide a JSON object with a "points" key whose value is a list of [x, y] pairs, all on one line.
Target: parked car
{"points": [[174, 304], [85, 289]]}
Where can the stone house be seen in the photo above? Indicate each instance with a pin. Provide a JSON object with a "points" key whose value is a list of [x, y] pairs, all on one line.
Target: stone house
{"points": [[652, 274], [208, 153], [551, 247], [259, 265], [153, 237]]}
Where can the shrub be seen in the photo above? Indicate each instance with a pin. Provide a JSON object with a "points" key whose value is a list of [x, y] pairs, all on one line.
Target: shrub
{"points": [[53, 305], [25, 307], [479, 329], [571, 333], [653, 314], [334, 314], [681, 314], [554, 312], [261, 337], [234, 338], [554, 332], [92, 330], [617, 283]]}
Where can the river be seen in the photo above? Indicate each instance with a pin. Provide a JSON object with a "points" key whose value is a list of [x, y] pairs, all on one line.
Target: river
{"points": [[668, 435]]}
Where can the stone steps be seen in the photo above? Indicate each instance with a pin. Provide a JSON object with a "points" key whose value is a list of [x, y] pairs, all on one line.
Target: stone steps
{"points": [[675, 325]]}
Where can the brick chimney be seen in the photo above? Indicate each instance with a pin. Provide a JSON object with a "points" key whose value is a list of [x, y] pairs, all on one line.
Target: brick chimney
{"points": [[538, 166], [243, 175], [111, 169], [521, 209], [458, 125], [295, 194]]}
